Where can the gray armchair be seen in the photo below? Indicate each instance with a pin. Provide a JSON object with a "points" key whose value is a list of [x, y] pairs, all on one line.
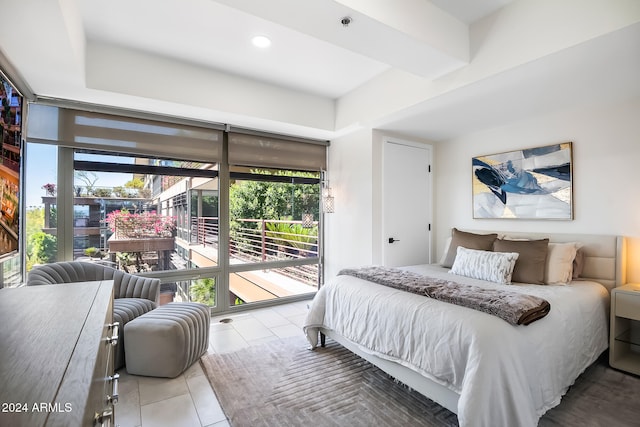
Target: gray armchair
{"points": [[133, 295]]}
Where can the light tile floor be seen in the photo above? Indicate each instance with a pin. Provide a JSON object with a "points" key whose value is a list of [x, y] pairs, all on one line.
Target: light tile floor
{"points": [[189, 400]]}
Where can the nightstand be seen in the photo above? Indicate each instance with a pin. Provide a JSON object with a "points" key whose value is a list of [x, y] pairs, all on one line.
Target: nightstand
{"points": [[624, 338]]}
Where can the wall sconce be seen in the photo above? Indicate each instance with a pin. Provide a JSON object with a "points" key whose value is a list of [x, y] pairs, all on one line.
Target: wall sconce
{"points": [[307, 220], [327, 199]]}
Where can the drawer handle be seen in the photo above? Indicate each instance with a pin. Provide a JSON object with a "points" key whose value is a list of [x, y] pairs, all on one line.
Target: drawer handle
{"points": [[113, 399], [104, 419], [113, 339]]}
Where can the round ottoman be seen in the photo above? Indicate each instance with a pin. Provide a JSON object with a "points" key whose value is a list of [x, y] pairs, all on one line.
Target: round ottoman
{"points": [[167, 340]]}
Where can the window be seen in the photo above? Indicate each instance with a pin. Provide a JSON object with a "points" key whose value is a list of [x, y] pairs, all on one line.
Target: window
{"points": [[41, 216], [161, 199], [134, 213], [273, 233]]}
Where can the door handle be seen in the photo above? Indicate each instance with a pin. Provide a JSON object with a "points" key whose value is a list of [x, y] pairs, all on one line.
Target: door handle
{"points": [[391, 240]]}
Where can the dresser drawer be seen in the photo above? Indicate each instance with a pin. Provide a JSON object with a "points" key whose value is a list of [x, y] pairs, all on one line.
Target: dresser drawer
{"points": [[628, 306], [86, 383]]}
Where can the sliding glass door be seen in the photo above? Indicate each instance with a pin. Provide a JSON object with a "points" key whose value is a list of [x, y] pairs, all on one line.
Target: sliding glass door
{"points": [[134, 213], [228, 219], [273, 234]]}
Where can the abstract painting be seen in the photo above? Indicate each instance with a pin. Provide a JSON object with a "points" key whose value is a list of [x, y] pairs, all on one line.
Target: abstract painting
{"points": [[534, 183]]}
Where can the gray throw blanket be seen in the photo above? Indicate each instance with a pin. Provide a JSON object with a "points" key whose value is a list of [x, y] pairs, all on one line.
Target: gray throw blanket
{"points": [[515, 308]]}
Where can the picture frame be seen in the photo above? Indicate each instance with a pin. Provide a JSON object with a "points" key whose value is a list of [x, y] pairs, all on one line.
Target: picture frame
{"points": [[532, 183]]}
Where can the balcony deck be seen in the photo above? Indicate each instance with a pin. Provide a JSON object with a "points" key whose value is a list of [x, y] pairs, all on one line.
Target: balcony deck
{"points": [[251, 286], [256, 242]]}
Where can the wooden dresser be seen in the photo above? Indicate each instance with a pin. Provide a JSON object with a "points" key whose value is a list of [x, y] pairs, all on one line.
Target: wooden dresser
{"points": [[56, 355]]}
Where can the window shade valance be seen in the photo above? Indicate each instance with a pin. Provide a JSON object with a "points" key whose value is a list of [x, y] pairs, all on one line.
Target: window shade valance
{"points": [[266, 151], [131, 135]]}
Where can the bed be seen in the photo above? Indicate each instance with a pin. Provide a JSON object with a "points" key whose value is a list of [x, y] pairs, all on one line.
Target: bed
{"points": [[486, 370]]}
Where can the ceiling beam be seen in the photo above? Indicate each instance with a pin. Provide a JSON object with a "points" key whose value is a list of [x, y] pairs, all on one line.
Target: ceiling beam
{"points": [[412, 35]]}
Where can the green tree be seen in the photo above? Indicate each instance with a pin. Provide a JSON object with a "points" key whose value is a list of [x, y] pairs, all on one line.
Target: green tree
{"points": [[253, 199], [44, 248], [34, 224], [132, 188], [274, 200], [34, 220], [53, 217], [209, 204], [102, 192], [204, 291], [135, 183], [88, 178]]}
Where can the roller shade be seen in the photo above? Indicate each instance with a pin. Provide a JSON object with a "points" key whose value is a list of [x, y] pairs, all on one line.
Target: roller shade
{"points": [[131, 135], [273, 152]]}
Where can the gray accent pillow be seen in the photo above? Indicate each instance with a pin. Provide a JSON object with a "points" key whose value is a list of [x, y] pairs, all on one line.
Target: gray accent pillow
{"points": [[532, 261], [481, 242]]}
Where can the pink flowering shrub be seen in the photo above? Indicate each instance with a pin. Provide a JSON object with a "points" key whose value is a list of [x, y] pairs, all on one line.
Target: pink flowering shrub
{"points": [[147, 224], [50, 189]]}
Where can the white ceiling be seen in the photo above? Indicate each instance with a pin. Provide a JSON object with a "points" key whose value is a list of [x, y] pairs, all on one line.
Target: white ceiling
{"points": [[311, 52], [469, 11], [217, 36]]}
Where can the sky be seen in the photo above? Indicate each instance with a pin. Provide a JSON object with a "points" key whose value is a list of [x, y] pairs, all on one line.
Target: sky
{"points": [[41, 166]]}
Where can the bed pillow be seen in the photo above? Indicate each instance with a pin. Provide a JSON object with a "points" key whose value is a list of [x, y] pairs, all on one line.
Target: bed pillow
{"points": [[532, 258], [484, 265], [483, 242], [560, 263], [578, 263]]}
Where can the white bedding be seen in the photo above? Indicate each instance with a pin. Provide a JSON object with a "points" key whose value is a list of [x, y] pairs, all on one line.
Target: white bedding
{"points": [[506, 375]]}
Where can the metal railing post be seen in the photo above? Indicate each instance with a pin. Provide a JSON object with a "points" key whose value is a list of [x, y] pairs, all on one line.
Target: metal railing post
{"points": [[264, 241]]}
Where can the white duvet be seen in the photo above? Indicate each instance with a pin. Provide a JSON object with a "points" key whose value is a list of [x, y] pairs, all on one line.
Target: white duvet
{"points": [[505, 375]]}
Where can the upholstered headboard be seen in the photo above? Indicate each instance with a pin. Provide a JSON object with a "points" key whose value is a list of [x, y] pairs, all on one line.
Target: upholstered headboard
{"points": [[605, 255]]}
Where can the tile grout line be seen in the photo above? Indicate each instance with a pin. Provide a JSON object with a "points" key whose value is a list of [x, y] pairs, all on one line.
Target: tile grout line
{"points": [[193, 402], [290, 314]]}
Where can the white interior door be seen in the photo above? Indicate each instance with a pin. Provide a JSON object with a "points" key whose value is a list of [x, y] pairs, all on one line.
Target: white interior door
{"points": [[407, 209]]}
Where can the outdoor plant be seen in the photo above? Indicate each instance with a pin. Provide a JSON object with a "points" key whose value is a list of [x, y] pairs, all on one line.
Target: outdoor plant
{"points": [[50, 189], [44, 248], [204, 291], [292, 235], [279, 232], [88, 179], [144, 193], [133, 225], [102, 192], [124, 258], [120, 191], [93, 253], [302, 237]]}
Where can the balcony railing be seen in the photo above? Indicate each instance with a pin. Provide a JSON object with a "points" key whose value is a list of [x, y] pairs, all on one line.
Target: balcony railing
{"points": [[251, 241], [204, 230], [261, 240]]}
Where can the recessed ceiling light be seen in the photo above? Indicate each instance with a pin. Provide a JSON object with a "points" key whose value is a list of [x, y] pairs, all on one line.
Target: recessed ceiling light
{"points": [[261, 41]]}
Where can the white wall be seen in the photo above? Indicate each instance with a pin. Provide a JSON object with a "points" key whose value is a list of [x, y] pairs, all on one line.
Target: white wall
{"points": [[606, 173], [204, 93], [354, 232], [348, 229]]}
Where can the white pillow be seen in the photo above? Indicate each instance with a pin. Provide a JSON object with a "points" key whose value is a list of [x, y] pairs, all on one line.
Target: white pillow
{"points": [[484, 265], [560, 256]]}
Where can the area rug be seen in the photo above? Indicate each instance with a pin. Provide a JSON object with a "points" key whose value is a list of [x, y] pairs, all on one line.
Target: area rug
{"points": [[282, 383]]}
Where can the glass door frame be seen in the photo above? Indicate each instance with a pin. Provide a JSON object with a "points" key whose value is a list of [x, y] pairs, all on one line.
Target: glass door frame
{"points": [[220, 273]]}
